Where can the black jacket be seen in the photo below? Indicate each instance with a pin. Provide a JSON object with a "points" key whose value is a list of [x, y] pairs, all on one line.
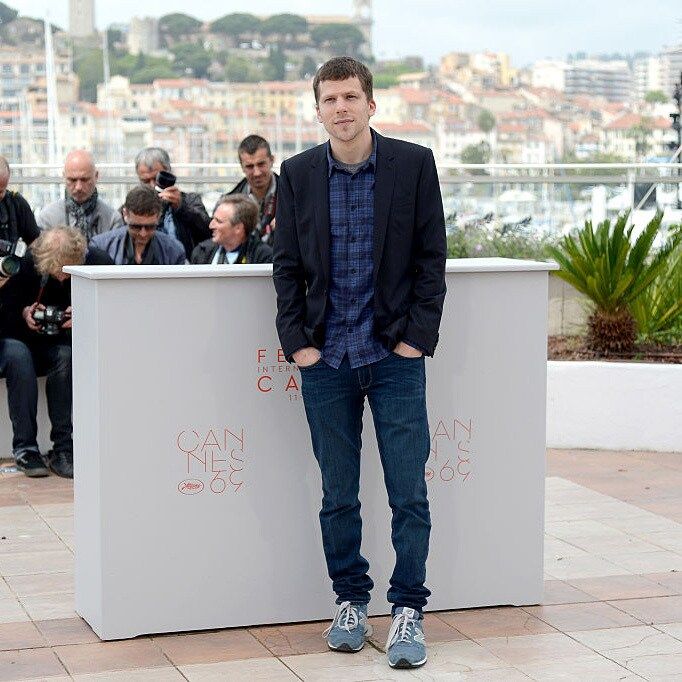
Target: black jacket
{"points": [[191, 221], [22, 222], [24, 289], [409, 247], [251, 251]]}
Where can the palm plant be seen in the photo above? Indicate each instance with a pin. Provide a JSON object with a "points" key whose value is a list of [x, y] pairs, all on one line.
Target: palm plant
{"points": [[658, 309], [612, 272]]}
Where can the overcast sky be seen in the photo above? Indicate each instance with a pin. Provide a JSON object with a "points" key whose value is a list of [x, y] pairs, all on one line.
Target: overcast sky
{"points": [[430, 28]]}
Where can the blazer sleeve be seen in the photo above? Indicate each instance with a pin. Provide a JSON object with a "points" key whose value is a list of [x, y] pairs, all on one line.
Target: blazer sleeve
{"points": [[287, 272], [430, 252]]}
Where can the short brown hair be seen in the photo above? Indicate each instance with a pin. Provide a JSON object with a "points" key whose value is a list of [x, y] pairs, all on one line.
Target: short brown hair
{"points": [[143, 200], [341, 68], [58, 246], [245, 210]]}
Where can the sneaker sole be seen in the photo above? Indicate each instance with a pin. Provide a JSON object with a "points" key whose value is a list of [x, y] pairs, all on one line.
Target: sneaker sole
{"points": [[35, 473], [404, 663], [347, 649]]}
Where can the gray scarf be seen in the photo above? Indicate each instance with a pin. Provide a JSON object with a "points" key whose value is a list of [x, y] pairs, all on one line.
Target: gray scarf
{"points": [[84, 216]]}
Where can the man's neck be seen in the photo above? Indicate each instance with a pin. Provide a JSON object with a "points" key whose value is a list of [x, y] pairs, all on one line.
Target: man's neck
{"points": [[353, 151], [260, 194]]}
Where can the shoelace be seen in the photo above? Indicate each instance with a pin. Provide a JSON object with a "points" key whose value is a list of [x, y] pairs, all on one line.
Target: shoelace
{"points": [[346, 617], [401, 629]]}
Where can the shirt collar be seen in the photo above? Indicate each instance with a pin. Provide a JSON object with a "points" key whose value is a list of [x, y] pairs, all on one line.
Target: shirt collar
{"points": [[333, 164]]}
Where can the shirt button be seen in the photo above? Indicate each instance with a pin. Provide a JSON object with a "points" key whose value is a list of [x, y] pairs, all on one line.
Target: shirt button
{"points": [[349, 330], [354, 300], [353, 208], [353, 271], [352, 239]]}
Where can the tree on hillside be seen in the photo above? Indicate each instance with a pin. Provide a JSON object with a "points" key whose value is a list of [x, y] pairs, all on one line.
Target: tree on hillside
{"points": [[275, 66], [308, 67], [88, 66], [284, 25], [192, 58], [656, 97], [345, 38], [149, 74], [241, 70], [486, 121], [476, 153], [236, 24], [7, 14], [178, 25]]}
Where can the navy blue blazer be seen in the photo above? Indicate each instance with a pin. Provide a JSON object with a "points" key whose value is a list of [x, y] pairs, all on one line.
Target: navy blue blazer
{"points": [[409, 249]]}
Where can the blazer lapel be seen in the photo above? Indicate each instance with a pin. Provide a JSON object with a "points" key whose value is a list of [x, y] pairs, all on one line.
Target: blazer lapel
{"points": [[384, 177], [319, 175]]}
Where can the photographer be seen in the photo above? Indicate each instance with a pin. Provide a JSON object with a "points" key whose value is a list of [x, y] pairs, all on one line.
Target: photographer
{"points": [[139, 242], [235, 237], [260, 181], [40, 298], [16, 364], [184, 215], [16, 217]]}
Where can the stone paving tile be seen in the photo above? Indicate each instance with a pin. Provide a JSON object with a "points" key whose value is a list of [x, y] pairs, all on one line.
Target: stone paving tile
{"points": [[28, 563], [60, 631], [652, 610], [670, 579], [500, 622], [590, 668], [672, 629], [20, 636], [210, 647], [28, 664], [445, 660], [629, 646], [259, 669], [49, 606], [589, 616], [44, 583], [517, 651], [290, 640], [560, 592], [141, 675], [107, 656], [621, 587], [11, 611]]}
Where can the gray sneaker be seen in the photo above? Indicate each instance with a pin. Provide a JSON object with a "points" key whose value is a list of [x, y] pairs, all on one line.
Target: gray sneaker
{"points": [[349, 629], [406, 646]]}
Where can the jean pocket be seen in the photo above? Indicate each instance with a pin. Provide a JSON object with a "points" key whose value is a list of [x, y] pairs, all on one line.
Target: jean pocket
{"points": [[317, 363]]}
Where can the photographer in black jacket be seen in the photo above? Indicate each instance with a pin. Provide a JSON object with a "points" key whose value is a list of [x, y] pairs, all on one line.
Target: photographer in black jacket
{"points": [[38, 315], [16, 365]]}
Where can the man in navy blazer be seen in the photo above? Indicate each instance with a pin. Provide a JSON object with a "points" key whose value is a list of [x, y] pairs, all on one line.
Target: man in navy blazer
{"points": [[359, 270]]}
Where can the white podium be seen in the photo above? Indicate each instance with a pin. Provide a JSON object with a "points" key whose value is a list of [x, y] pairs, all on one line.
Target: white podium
{"points": [[196, 491]]}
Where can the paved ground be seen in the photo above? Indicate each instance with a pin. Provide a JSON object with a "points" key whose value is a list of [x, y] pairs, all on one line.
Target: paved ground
{"points": [[612, 608]]}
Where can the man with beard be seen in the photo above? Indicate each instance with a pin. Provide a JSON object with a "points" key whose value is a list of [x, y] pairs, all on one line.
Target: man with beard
{"points": [[81, 207]]}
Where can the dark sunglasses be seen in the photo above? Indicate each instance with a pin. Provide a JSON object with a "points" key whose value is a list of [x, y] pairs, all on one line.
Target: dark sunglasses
{"points": [[137, 227]]}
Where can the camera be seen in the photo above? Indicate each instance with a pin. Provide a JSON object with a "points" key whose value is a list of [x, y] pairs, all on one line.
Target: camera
{"points": [[51, 319], [164, 180], [11, 254]]}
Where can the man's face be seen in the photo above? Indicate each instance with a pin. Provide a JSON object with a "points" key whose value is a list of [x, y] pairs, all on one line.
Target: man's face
{"points": [[147, 174], [343, 109], [141, 228], [4, 181], [257, 169], [80, 177], [223, 231]]}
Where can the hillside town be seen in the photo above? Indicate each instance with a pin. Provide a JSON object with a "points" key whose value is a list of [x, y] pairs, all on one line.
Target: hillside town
{"points": [[199, 88]]}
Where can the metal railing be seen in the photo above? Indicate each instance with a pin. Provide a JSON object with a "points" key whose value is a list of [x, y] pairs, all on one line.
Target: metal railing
{"points": [[545, 198]]}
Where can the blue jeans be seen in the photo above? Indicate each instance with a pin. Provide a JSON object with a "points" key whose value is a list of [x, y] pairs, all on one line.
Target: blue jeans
{"points": [[16, 365], [334, 400], [20, 366]]}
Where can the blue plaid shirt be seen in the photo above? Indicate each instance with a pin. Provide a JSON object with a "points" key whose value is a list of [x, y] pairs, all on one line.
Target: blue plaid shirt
{"points": [[350, 309]]}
